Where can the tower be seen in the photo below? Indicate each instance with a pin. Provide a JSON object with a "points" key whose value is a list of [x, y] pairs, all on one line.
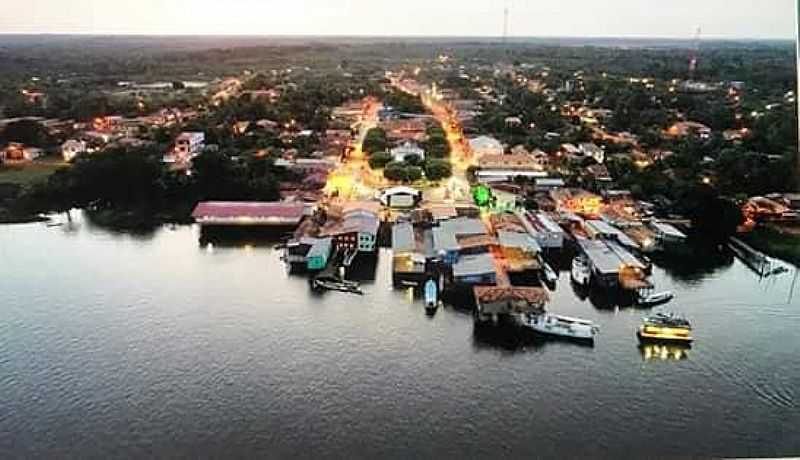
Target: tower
{"points": [[693, 55], [505, 24]]}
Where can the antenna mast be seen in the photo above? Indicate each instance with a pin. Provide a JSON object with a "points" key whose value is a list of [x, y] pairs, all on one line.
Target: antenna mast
{"points": [[695, 51], [505, 25]]}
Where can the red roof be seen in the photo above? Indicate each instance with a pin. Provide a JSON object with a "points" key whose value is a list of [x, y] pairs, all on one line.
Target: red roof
{"points": [[248, 209]]}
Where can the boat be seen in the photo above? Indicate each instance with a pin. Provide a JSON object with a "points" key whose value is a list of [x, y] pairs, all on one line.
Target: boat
{"points": [[550, 276], [332, 283], [656, 299], [665, 327], [562, 326], [431, 297], [581, 273]]}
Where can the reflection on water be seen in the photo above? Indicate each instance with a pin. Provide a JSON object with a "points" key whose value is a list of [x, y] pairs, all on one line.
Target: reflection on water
{"points": [[149, 344], [694, 261], [664, 351], [507, 335]]}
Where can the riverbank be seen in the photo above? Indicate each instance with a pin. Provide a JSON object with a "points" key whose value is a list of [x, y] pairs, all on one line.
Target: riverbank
{"points": [[780, 243]]}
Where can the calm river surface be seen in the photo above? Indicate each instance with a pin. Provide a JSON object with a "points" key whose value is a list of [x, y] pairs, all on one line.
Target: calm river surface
{"points": [[121, 345]]}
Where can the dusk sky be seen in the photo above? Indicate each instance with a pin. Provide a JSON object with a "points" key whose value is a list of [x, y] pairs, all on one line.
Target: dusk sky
{"points": [[641, 18]]}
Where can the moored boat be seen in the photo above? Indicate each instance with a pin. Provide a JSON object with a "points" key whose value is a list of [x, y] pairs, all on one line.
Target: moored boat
{"points": [[655, 299], [580, 271], [665, 327], [562, 326], [431, 297], [550, 276]]}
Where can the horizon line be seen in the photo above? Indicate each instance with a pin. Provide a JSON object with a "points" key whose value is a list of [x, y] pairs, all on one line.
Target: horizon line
{"points": [[386, 36]]}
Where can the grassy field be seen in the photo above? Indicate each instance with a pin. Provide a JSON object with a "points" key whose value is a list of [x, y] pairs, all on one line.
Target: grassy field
{"points": [[781, 244], [31, 173]]}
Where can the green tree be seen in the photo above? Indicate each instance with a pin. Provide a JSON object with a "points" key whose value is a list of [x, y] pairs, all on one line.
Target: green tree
{"points": [[28, 132], [437, 169], [375, 141], [379, 160]]}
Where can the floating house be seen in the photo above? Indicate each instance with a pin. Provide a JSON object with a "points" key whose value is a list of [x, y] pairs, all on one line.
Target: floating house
{"points": [[666, 233], [612, 266], [495, 301], [547, 233], [312, 253], [356, 230], [475, 269], [408, 263]]}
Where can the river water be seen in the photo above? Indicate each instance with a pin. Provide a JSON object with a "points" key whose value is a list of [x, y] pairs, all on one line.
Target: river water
{"points": [[156, 345]]}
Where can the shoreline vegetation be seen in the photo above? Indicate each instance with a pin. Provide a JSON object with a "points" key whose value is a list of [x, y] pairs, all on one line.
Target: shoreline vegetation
{"points": [[783, 245], [535, 96]]}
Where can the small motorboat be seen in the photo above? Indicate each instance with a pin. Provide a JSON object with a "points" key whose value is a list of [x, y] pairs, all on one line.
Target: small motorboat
{"points": [[562, 326], [332, 283], [550, 276], [581, 273], [656, 299], [665, 327], [431, 296]]}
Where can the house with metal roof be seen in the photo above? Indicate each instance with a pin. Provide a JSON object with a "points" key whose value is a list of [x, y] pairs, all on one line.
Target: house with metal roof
{"points": [[475, 269]]}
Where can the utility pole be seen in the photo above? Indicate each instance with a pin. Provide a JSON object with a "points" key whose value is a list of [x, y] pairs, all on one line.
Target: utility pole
{"points": [[505, 25], [796, 100]]}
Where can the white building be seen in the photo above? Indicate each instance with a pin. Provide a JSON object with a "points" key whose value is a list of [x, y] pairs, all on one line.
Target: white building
{"points": [[187, 146], [485, 145], [406, 150], [17, 152], [591, 150], [72, 148]]}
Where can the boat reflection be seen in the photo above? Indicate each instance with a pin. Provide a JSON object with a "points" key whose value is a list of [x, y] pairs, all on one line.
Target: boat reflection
{"points": [[664, 351]]}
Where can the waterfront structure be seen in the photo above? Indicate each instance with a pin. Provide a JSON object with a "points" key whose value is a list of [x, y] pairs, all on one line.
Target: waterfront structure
{"points": [[449, 238], [612, 266], [312, 253], [248, 213], [667, 233], [475, 269], [356, 230], [495, 301], [520, 251], [408, 263], [598, 229], [547, 233]]}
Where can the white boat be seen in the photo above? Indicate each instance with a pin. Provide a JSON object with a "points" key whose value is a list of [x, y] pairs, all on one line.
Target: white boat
{"points": [[656, 299], [431, 298], [550, 276], [562, 326], [581, 273]]}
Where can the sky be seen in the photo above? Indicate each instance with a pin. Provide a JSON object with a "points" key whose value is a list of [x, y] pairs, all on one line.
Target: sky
{"points": [[593, 18]]}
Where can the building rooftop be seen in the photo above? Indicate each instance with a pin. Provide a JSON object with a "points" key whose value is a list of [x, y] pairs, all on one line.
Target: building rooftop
{"points": [[518, 240], [464, 226], [668, 230], [403, 238], [474, 265], [249, 210]]}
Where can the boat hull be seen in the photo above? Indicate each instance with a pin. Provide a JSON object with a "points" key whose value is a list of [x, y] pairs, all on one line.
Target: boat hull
{"points": [[662, 337]]}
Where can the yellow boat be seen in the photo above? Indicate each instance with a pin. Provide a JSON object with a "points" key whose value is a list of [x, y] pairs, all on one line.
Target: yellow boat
{"points": [[665, 327]]}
